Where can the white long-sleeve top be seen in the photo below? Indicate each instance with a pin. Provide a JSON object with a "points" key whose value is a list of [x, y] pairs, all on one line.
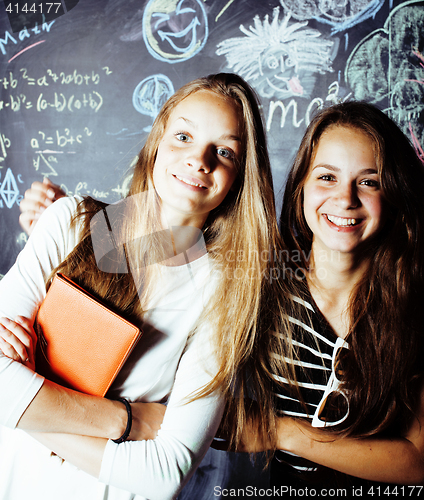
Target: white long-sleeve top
{"points": [[163, 361]]}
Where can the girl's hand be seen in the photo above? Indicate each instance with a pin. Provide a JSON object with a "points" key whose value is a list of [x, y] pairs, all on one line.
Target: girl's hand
{"points": [[36, 200], [147, 419], [18, 340]]}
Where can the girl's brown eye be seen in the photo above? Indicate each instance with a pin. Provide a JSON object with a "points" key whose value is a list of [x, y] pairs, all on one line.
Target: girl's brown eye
{"points": [[370, 182]]}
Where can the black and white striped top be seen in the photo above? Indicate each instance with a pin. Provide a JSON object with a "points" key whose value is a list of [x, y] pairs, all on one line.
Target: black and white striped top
{"points": [[315, 343]]}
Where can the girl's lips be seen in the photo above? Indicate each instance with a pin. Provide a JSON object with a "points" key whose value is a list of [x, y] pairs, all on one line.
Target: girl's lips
{"points": [[190, 181], [342, 223]]}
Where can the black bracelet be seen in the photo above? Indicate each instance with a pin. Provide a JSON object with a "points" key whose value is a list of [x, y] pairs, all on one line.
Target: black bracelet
{"points": [[127, 431]]}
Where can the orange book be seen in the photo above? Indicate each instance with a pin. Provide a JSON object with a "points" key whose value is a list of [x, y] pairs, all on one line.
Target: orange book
{"points": [[82, 344]]}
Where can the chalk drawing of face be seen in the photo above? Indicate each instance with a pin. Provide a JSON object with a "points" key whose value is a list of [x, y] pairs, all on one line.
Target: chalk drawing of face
{"points": [[282, 74], [387, 69], [151, 94], [280, 59], [174, 30], [341, 14]]}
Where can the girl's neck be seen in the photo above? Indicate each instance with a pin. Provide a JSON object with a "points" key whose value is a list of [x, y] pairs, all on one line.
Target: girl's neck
{"points": [[173, 218], [184, 252], [186, 236], [332, 277]]}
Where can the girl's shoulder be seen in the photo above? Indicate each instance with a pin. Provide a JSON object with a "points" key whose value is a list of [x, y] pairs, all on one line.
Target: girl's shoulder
{"points": [[62, 209], [54, 229], [69, 212]]}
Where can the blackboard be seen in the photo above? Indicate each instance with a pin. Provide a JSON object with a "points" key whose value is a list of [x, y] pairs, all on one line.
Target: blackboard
{"points": [[79, 90], [80, 87]]}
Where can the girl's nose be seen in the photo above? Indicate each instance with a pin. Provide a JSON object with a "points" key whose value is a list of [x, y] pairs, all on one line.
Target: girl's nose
{"points": [[347, 196], [200, 159]]}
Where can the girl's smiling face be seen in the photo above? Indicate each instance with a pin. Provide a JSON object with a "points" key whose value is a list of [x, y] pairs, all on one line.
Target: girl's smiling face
{"points": [[197, 158], [342, 199]]}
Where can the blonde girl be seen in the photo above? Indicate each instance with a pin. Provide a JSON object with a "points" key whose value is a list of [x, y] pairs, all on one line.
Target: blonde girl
{"points": [[204, 166]]}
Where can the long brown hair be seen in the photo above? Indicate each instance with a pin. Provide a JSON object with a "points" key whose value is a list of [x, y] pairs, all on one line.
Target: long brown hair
{"points": [[238, 234], [386, 312]]}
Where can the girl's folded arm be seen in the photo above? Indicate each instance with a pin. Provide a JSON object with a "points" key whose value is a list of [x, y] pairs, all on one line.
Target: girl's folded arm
{"points": [[159, 466], [397, 460], [26, 400]]}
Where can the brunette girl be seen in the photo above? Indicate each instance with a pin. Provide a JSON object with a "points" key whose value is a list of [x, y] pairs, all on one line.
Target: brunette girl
{"points": [[349, 378], [204, 166]]}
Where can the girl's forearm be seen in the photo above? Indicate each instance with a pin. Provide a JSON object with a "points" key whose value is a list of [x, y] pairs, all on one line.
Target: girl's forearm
{"points": [[84, 452], [376, 459], [59, 410]]}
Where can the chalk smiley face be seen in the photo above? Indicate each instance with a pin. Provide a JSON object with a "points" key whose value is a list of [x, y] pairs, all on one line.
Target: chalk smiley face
{"points": [[175, 30]]}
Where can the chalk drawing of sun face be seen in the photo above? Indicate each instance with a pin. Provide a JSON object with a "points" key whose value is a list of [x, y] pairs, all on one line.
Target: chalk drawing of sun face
{"points": [[174, 30], [279, 58], [281, 74]]}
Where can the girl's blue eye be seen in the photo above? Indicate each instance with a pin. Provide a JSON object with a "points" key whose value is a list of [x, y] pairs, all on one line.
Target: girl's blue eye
{"points": [[225, 153], [182, 137]]}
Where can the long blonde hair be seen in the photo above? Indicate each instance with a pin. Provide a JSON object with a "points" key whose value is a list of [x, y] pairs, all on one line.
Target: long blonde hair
{"points": [[240, 237]]}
